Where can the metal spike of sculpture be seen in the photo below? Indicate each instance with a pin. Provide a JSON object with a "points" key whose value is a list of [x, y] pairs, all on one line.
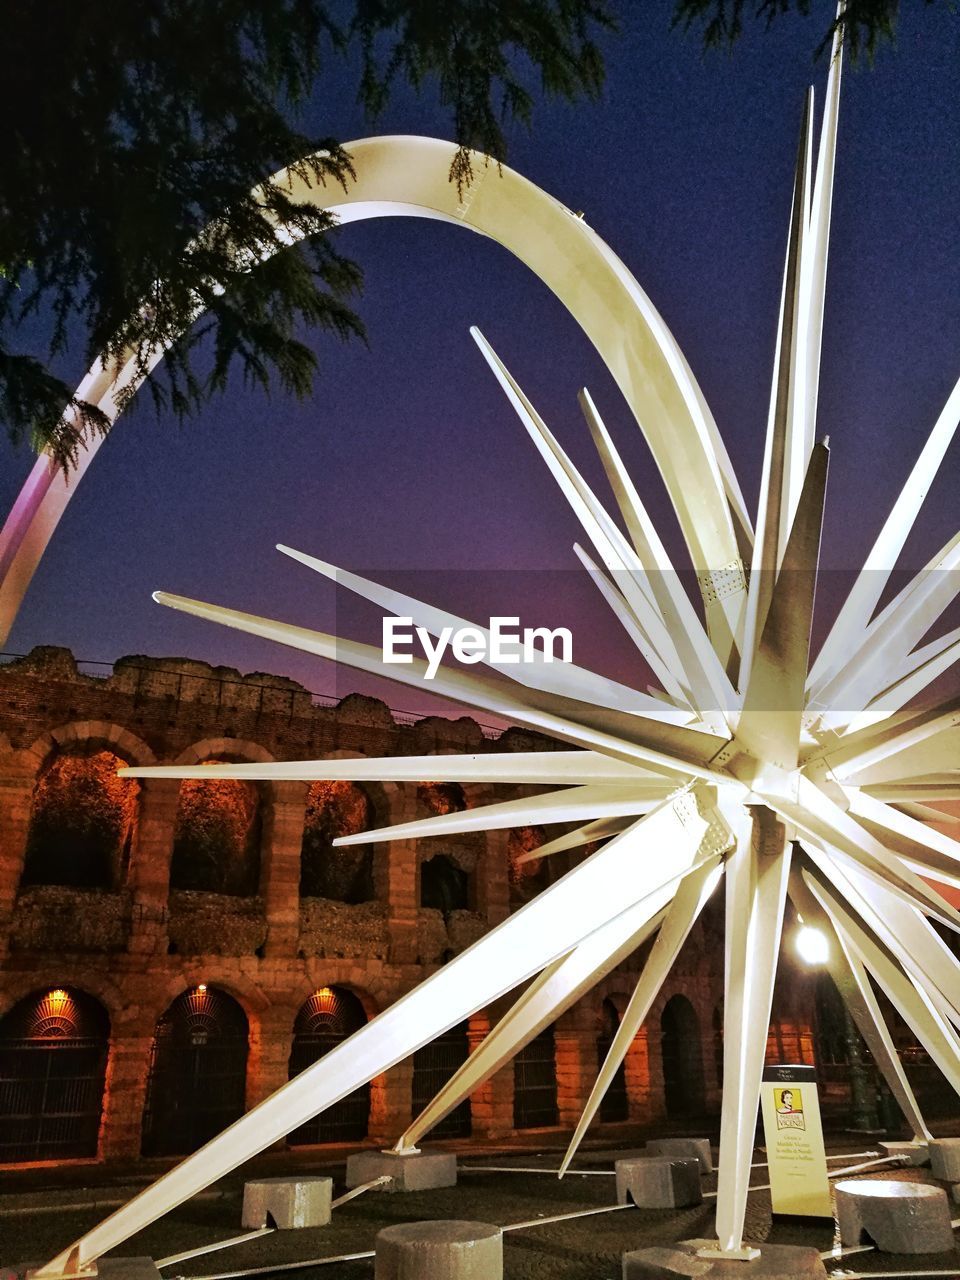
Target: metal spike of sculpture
{"points": [[751, 766]]}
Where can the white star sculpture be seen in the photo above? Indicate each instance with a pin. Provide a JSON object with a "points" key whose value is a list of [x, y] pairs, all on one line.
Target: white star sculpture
{"points": [[749, 765]]}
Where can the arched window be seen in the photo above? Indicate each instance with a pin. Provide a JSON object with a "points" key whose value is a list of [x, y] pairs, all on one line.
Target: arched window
{"points": [[614, 1107], [216, 842], [443, 885], [343, 875], [683, 1083], [329, 1017], [53, 1059], [81, 823], [433, 1066], [535, 1084], [526, 879], [198, 1072]]}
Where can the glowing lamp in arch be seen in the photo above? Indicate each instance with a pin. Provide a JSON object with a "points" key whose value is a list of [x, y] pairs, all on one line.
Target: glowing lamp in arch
{"points": [[752, 766]]}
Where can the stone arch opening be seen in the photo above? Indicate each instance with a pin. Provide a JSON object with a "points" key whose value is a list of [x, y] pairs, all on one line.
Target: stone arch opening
{"points": [[433, 1066], [198, 1072], [535, 1083], [83, 822], [54, 1046], [330, 1016], [447, 880], [434, 798], [444, 886], [217, 836], [614, 1107], [682, 1054], [342, 875]]}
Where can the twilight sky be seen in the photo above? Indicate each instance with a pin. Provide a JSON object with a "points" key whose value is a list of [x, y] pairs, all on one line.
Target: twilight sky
{"points": [[409, 465]]}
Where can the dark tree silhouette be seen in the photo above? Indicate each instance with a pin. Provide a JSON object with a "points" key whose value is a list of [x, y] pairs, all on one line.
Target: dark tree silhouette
{"points": [[136, 143], [866, 23]]}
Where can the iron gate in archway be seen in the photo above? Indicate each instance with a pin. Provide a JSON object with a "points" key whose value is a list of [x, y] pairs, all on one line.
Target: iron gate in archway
{"points": [[535, 1084], [326, 1020], [433, 1065], [53, 1060], [198, 1073]]}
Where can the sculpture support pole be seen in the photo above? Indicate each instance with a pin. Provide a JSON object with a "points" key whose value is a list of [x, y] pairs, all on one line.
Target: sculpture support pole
{"points": [[756, 878]]}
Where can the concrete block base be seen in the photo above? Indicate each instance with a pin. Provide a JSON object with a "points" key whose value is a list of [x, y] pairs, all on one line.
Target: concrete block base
{"points": [[128, 1269], [918, 1153], [420, 1172], [288, 1202], [659, 1182], [698, 1147], [898, 1217], [945, 1159], [776, 1262], [449, 1250]]}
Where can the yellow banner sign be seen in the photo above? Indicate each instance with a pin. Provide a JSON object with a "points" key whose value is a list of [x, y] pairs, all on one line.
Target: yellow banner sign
{"points": [[794, 1137]]}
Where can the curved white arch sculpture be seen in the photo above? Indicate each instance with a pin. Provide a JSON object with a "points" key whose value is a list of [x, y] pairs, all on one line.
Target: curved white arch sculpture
{"points": [[778, 778], [408, 177]]}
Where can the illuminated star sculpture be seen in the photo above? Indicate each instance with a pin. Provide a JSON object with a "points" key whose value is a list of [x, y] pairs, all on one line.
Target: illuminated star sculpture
{"points": [[748, 765]]}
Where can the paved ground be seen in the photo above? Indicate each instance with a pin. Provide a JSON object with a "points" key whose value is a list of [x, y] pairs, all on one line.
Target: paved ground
{"points": [[586, 1248]]}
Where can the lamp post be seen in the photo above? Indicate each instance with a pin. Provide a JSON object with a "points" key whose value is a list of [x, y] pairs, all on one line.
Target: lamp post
{"points": [[814, 950], [863, 1094]]}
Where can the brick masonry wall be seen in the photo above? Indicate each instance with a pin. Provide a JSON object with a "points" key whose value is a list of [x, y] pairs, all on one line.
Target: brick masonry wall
{"points": [[140, 948]]}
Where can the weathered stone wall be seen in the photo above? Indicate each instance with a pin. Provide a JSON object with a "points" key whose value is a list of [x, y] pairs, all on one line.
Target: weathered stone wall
{"points": [[137, 949]]}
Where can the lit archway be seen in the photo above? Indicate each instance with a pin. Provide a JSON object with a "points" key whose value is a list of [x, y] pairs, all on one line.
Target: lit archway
{"points": [[216, 842], [198, 1072], [326, 1019], [53, 1059], [82, 823], [336, 809]]}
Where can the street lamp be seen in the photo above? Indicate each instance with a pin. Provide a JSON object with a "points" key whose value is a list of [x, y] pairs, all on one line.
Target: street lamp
{"points": [[812, 946]]}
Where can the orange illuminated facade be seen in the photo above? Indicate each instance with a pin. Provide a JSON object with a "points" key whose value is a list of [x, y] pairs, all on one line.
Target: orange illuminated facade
{"points": [[166, 933]]}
